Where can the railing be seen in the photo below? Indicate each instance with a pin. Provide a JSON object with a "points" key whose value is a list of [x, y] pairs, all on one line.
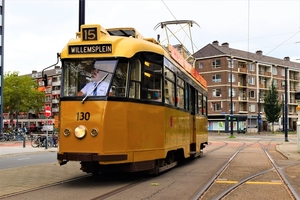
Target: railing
{"points": [[55, 109], [267, 73], [55, 101], [56, 83]]}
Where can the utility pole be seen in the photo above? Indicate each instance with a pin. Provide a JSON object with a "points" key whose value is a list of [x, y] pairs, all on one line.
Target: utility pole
{"points": [[231, 103], [286, 106]]}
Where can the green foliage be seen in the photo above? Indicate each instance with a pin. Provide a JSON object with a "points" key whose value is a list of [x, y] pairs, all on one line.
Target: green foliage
{"points": [[21, 94], [272, 105]]}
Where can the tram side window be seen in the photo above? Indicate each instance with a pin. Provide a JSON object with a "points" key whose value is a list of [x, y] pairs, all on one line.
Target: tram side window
{"points": [[187, 93], [152, 79], [169, 87], [152, 86], [180, 93], [119, 85], [135, 80], [204, 105], [200, 104]]}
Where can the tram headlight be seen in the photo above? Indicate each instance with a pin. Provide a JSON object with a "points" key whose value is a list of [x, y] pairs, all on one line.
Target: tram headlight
{"points": [[94, 132], [80, 132], [67, 132]]}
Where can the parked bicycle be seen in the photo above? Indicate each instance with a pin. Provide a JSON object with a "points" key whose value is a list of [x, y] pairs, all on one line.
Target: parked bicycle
{"points": [[40, 141]]}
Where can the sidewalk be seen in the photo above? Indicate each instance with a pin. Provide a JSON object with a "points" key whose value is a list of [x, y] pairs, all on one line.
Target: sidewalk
{"points": [[17, 147], [289, 150]]}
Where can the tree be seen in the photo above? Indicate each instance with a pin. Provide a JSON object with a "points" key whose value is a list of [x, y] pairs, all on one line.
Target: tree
{"points": [[272, 105], [21, 94]]}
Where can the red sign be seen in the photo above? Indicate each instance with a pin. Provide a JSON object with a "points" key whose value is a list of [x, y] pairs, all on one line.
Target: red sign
{"points": [[47, 111]]}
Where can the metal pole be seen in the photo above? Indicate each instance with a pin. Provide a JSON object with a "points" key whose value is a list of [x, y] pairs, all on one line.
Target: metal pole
{"points": [[81, 13], [258, 114], [286, 106], [46, 145], [231, 106], [17, 113], [282, 122]]}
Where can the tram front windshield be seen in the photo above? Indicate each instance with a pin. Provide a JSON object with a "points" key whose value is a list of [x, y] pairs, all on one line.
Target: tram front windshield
{"points": [[89, 77]]}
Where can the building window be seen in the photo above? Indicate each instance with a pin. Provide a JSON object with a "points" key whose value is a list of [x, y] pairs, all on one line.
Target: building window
{"points": [[275, 83], [251, 80], [216, 63], [252, 94], [251, 67], [200, 65], [282, 72], [233, 78], [233, 106], [216, 93], [216, 78], [216, 106], [274, 70], [282, 84], [233, 92], [252, 107]]}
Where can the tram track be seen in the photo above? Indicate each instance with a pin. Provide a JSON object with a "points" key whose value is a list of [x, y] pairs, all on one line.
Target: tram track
{"points": [[16, 194], [246, 180]]}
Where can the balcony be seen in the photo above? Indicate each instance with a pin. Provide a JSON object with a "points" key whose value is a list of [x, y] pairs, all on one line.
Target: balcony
{"points": [[56, 92], [55, 101], [267, 73], [56, 83], [243, 98], [243, 70], [243, 111], [261, 86], [55, 109]]}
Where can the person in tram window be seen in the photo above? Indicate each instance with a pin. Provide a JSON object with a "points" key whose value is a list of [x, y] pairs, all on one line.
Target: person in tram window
{"points": [[157, 96], [97, 87]]}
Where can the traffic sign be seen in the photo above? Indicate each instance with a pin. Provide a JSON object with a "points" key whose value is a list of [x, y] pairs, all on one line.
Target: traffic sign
{"points": [[47, 111]]}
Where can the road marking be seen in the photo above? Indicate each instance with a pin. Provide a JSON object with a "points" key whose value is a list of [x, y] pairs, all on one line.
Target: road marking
{"points": [[250, 182], [23, 159]]}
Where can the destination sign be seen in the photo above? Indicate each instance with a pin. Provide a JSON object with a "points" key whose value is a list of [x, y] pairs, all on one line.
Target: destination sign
{"points": [[86, 49]]}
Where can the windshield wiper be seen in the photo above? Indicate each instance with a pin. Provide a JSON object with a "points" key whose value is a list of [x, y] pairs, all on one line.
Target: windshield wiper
{"points": [[94, 88]]}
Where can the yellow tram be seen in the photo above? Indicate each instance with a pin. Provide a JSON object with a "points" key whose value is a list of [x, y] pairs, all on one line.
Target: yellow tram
{"points": [[150, 110]]}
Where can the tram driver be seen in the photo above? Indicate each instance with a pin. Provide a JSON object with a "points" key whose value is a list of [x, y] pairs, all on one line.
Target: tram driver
{"points": [[98, 86]]}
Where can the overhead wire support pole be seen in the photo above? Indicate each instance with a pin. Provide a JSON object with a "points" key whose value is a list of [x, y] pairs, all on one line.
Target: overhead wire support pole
{"points": [[286, 105], [81, 13], [258, 113]]}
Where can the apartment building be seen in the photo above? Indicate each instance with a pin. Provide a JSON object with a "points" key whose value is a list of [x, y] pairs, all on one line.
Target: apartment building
{"points": [[36, 121], [252, 75]]}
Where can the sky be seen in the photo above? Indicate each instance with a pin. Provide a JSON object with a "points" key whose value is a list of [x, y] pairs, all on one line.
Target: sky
{"points": [[36, 30]]}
